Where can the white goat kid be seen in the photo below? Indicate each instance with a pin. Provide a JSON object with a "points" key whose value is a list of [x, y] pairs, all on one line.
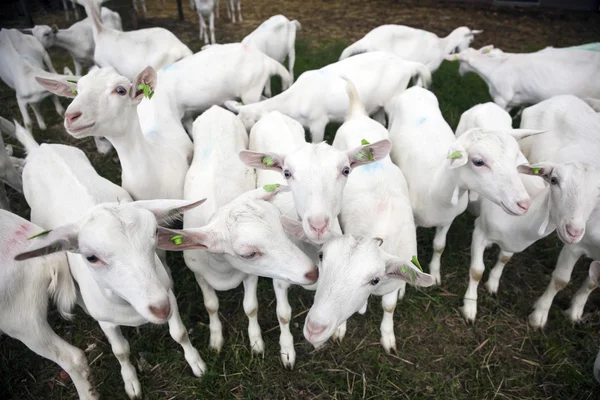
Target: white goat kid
{"points": [[521, 79], [236, 71], [22, 57], [440, 168], [156, 47], [374, 195], [153, 166], [78, 39], [351, 269], [276, 37], [378, 76], [413, 44], [111, 247], [238, 230], [572, 125], [24, 290], [206, 10]]}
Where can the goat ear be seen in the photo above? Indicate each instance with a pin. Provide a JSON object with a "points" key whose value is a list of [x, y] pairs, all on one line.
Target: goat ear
{"points": [[167, 211], [60, 239], [476, 31], [457, 155], [293, 228], [267, 192], [369, 153], [181, 239], [233, 106], [144, 84], [396, 268], [65, 89], [54, 28], [262, 160], [595, 272], [543, 170]]}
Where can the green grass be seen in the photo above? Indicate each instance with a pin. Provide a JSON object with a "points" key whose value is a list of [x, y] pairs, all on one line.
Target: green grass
{"points": [[439, 355]]}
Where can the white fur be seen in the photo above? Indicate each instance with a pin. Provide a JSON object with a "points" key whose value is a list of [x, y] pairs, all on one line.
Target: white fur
{"points": [[319, 96], [520, 79], [413, 44], [423, 141]]}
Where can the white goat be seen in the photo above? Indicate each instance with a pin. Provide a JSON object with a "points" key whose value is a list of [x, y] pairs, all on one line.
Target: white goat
{"points": [[78, 39], [572, 136], [156, 47], [22, 57], [236, 71], [153, 166], [413, 44], [8, 173], [230, 5], [440, 168], [319, 96], [206, 9], [375, 195], [351, 269], [111, 247], [276, 37], [522, 79], [24, 290], [238, 229]]}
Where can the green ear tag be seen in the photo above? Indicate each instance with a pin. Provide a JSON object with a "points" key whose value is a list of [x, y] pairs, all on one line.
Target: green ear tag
{"points": [[71, 81], [536, 171], [271, 188], [177, 239], [239, 103], [456, 154], [415, 261], [486, 51], [455, 58], [73, 91], [148, 92], [39, 234], [365, 153], [364, 142], [268, 161]]}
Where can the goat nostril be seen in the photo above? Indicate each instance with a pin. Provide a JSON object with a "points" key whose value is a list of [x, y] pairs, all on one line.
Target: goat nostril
{"points": [[524, 204], [313, 275], [574, 232], [318, 224], [161, 311], [72, 116], [315, 328]]}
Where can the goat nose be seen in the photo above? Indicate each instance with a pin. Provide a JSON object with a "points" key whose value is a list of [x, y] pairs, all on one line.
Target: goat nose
{"points": [[574, 231], [524, 204], [313, 275], [315, 328], [162, 311], [72, 116], [318, 224]]}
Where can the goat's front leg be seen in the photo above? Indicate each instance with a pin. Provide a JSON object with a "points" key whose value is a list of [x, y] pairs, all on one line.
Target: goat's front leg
{"points": [[439, 243], [251, 309], [120, 348], [575, 312], [144, 7], [239, 4], [78, 67], [379, 116], [291, 61], [211, 22], [38, 115], [60, 110], [560, 278], [24, 113], [478, 244], [211, 303], [340, 332], [388, 339], [217, 8], [180, 335], [317, 130], [268, 92], [495, 273], [284, 315]]}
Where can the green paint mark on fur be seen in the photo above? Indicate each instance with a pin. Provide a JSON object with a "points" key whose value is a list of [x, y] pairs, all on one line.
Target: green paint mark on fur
{"points": [[364, 142], [535, 171], [39, 234], [177, 239], [415, 261], [271, 188], [71, 80], [268, 161], [148, 92], [456, 154]]}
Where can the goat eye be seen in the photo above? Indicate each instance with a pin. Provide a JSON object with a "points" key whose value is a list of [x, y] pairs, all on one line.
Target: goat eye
{"points": [[93, 259], [374, 281], [553, 181], [346, 171], [287, 174], [121, 90], [321, 256], [249, 256], [478, 162]]}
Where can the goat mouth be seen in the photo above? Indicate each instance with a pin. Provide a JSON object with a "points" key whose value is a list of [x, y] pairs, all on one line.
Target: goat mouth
{"points": [[80, 129], [567, 238], [508, 210]]}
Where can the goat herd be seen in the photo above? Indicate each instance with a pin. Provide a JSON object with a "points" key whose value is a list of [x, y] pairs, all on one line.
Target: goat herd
{"points": [[269, 204]]}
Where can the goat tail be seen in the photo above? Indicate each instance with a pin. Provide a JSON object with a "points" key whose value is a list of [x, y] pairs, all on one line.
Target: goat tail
{"points": [[277, 69], [355, 107], [297, 24], [62, 287], [422, 75], [21, 134], [354, 49]]}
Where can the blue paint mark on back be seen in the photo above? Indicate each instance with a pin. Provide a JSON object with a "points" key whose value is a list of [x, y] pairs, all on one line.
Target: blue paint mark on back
{"points": [[370, 168], [203, 153], [421, 121], [166, 67]]}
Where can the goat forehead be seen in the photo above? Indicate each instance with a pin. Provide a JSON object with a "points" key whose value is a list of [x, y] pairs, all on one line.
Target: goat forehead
{"points": [[316, 159], [101, 78], [248, 215], [349, 253], [119, 222], [494, 144]]}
